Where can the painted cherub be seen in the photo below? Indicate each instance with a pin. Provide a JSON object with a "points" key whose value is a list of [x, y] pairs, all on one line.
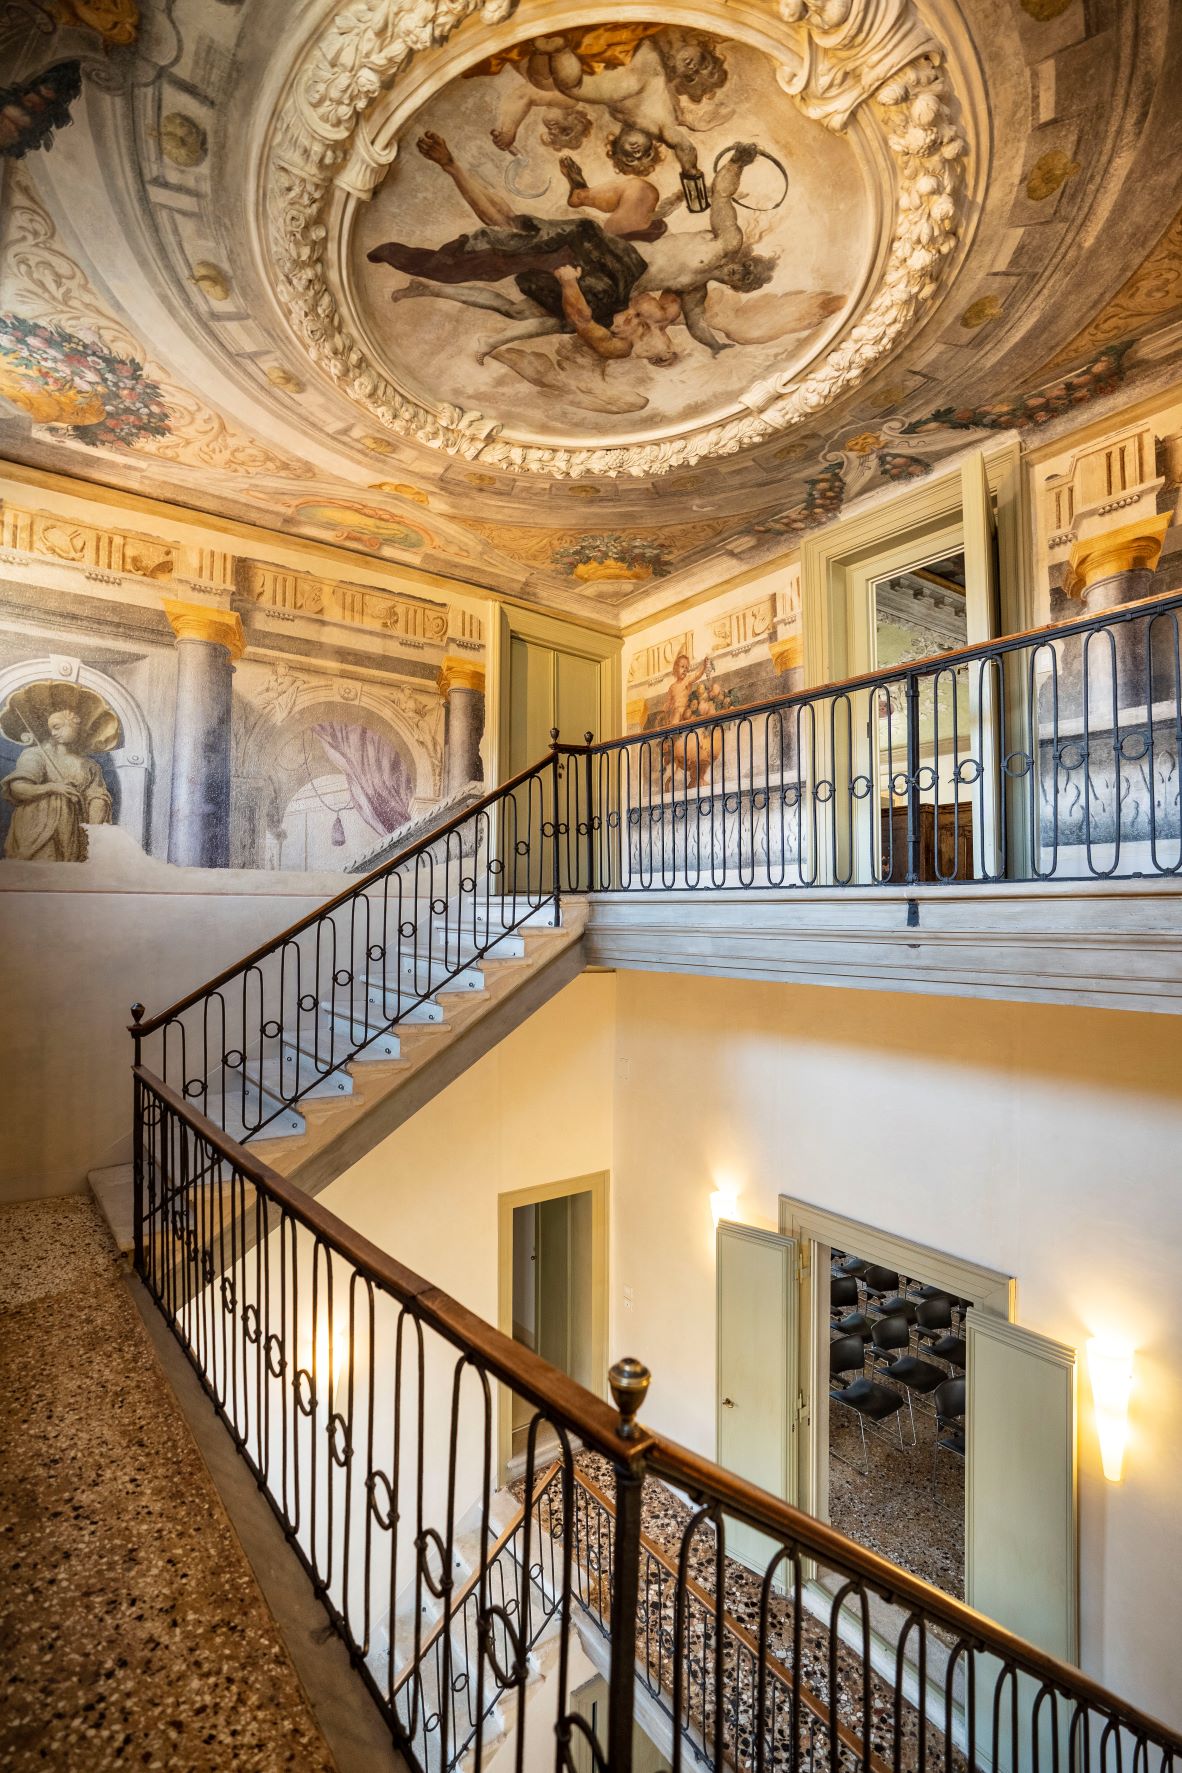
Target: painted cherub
{"points": [[691, 753], [629, 202], [638, 78]]}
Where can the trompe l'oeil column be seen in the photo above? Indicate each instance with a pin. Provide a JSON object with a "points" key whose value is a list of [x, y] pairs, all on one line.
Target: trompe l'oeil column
{"points": [[208, 640], [461, 684]]}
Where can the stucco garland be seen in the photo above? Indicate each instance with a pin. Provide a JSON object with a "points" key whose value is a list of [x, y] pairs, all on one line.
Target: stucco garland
{"points": [[850, 54]]}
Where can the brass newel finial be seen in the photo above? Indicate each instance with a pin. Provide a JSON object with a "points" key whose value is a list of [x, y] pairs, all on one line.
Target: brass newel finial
{"points": [[629, 1380], [553, 735], [137, 1012], [587, 738]]}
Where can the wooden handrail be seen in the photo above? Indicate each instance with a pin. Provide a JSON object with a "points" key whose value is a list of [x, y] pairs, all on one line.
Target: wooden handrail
{"points": [[739, 1631], [545, 1387], [342, 898], [446, 1617], [561, 1398]]}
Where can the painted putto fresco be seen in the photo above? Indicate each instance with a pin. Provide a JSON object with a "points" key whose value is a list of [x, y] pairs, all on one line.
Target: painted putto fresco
{"points": [[730, 651], [619, 226]]}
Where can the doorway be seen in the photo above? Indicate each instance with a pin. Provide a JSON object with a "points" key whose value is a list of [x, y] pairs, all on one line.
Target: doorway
{"points": [[1009, 1463], [553, 1297], [919, 613]]}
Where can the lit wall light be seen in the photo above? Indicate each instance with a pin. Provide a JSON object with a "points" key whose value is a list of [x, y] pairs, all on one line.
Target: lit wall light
{"points": [[724, 1202], [1110, 1365]]}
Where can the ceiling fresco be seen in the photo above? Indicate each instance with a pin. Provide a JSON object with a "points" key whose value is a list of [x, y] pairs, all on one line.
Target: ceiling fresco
{"points": [[579, 303], [531, 249]]}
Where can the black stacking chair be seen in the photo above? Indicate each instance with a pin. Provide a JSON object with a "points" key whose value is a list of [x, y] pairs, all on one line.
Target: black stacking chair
{"points": [[927, 1294], [951, 1349], [880, 1281], [898, 1305], [856, 1324], [950, 1399], [905, 1369], [847, 1354], [933, 1317], [852, 1265], [871, 1403], [843, 1292]]}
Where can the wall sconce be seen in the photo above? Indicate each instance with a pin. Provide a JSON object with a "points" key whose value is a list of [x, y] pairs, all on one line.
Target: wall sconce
{"points": [[1110, 1365], [724, 1203]]}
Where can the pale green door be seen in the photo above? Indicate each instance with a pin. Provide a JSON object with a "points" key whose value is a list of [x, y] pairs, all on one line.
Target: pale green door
{"points": [[1021, 1557], [549, 688], [757, 1370]]}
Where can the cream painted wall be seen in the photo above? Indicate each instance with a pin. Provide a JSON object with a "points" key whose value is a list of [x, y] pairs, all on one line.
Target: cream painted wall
{"points": [[537, 1108], [79, 943], [1042, 1141]]}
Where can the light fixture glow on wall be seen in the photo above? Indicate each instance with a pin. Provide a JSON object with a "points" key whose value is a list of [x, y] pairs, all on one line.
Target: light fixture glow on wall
{"points": [[1110, 1365], [724, 1202]]}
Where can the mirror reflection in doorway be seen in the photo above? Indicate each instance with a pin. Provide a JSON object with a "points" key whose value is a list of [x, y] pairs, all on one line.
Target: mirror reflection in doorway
{"points": [[552, 1298], [918, 614], [897, 1404]]}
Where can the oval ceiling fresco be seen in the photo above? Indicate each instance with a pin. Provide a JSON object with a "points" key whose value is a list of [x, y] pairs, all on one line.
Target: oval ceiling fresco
{"points": [[611, 232]]}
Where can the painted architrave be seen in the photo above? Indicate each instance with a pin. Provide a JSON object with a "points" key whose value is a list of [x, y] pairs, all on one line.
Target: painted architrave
{"points": [[597, 1185]]}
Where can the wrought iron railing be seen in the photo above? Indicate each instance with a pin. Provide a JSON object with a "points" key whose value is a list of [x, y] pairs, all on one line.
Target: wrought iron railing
{"points": [[1051, 755], [366, 1401], [277, 1026]]}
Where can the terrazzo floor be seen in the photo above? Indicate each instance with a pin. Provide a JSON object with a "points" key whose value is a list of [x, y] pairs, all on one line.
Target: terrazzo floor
{"points": [[132, 1632], [894, 1509]]}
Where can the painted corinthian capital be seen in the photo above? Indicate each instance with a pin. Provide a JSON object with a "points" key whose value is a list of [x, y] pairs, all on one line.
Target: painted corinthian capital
{"points": [[851, 50]]}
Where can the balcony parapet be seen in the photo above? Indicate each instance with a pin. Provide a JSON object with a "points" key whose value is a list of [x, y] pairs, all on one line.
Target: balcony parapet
{"points": [[1097, 944]]}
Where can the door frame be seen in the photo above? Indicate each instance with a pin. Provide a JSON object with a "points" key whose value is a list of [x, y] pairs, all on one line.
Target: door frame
{"points": [[817, 1228], [597, 1185], [942, 501], [569, 637]]}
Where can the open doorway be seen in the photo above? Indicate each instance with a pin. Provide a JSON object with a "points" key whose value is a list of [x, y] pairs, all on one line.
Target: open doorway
{"points": [[919, 613], [897, 1417], [553, 1289]]}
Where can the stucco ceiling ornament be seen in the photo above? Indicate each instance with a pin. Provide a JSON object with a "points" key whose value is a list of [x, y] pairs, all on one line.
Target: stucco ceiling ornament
{"points": [[852, 58]]}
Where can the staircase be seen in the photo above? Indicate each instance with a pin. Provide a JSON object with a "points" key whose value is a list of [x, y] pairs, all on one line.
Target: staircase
{"points": [[321, 1043]]}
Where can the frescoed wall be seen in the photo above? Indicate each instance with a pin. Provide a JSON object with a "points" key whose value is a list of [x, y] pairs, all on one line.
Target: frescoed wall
{"points": [[215, 709], [740, 647]]}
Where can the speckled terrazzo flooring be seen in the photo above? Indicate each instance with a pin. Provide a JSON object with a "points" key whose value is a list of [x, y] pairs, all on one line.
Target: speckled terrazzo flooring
{"points": [[132, 1632]]}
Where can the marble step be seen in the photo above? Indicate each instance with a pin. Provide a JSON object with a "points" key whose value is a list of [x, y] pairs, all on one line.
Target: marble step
{"points": [[354, 1022], [239, 1106], [428, 970], [315, 1045], [297, 1070]]}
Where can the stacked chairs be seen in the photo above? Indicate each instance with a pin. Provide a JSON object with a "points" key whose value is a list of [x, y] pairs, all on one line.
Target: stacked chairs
{"points": [[903, 1341]]}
